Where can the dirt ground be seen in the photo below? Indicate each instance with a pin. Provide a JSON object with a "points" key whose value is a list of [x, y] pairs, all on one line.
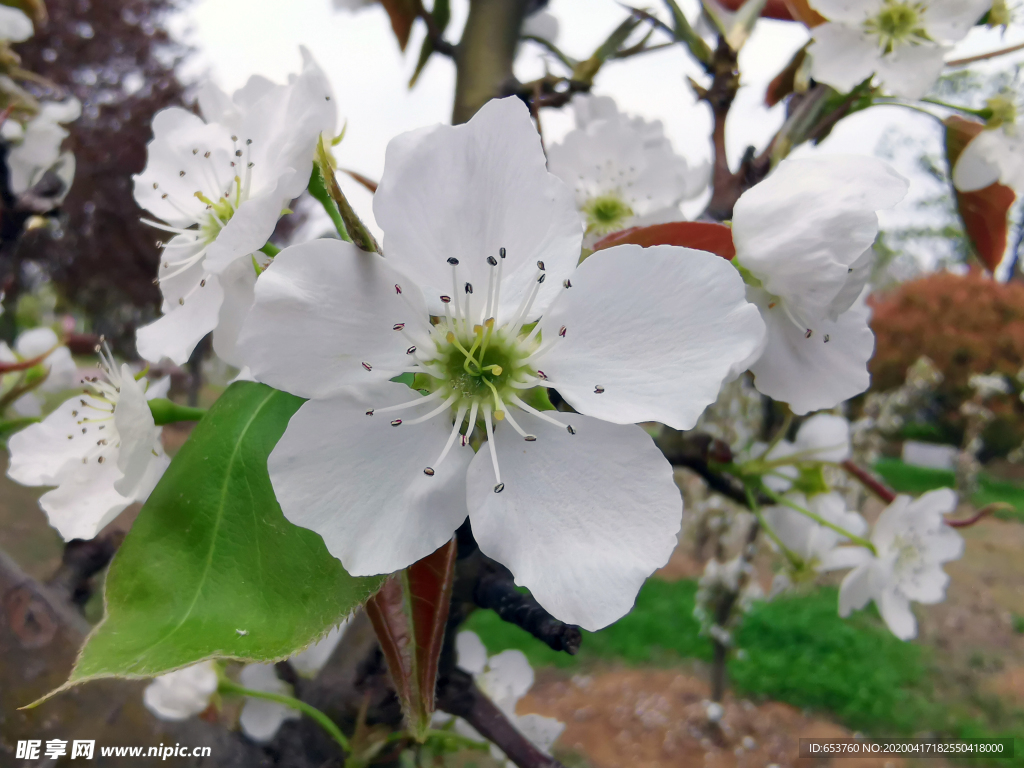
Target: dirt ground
{"points": [[658, 719]]}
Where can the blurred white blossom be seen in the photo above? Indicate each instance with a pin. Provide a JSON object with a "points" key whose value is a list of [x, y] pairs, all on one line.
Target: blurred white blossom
{"points": [[183, 693]]}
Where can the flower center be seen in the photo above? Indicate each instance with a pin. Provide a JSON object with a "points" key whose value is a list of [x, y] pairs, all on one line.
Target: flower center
{"points": [[224, 190], [95, 413], [897, 23], [477, 365], [606, 213]]}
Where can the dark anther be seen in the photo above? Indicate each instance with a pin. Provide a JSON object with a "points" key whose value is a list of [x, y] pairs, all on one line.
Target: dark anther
{"points": [[808, 334], [826, 338], [367, 366], [540, 265], [492, 261], [561, 331], [398, 288], [398, 326], [566, 283], [598, 389], [542, 374], [530, 438], [453, 261], [499, 488], [469, 287], [410, 350], [446, 299], [570, 429], [541, 278], [501, 252], [428, 471], [396, 422], [370, 412]]}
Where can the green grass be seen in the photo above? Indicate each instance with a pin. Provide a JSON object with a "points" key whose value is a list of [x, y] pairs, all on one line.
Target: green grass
{"points": [[794, 649], [907, 478]]}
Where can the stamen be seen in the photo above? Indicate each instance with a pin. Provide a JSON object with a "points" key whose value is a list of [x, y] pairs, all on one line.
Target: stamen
{"points": [[514, 398], [517, 428], [494, 453], [567, 283], [401, 406], [456, 428], [473, 411], [434, 412]]}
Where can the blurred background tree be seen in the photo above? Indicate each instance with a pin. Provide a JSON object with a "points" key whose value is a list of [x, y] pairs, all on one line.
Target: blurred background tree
{"points": [[119, 61]]}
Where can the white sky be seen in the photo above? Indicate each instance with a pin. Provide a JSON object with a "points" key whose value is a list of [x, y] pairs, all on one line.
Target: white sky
{"points": [[238, 38]]}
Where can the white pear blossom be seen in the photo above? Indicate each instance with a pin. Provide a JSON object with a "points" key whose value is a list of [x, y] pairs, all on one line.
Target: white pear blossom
{"points": [[901, 42], [504, 678], [808, 539], [260, 718], [59, 368], [34, 148], [219, 183], [822, 437], [101, 449], [15, 26], [183, 693], [988, 385], [581, 507], [803, 241], [623, 170], [911, 541]]}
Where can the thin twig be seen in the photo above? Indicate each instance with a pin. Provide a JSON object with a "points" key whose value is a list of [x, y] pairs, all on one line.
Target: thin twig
{"points": [[869, 481], [984, 56], [988, 509]]}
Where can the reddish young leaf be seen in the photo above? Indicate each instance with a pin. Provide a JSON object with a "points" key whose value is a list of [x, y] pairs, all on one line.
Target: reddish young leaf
{"points": [[429, 585], [984, 212], [800, 10], [402, 14], [409, 615], [702, 235], [386, 610], [773, 9]]}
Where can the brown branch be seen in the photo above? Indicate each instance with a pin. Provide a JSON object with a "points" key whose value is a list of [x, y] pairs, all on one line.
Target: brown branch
{"points": [[725, 82], [869, 481]]}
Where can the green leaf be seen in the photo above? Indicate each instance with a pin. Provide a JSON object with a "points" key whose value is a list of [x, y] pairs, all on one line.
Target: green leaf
{"points": [[442, 14], [211, 568]]}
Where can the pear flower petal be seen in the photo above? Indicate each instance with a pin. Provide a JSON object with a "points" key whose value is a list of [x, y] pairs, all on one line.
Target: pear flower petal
{"points": [[632, 359], [468, 190], [599, 509]]}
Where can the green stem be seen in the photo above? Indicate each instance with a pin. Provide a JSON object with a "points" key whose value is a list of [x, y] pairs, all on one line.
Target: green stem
{"points": [[168, 412], [818, 519], [270, 249], [227, 686], [318, 190], [984, 114], [792, 556]]}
